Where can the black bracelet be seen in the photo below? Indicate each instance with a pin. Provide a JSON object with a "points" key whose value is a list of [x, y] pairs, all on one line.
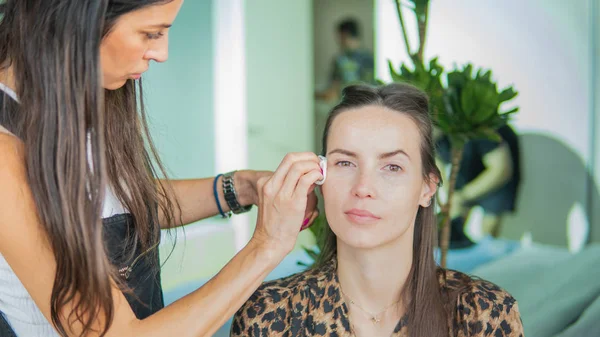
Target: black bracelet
{"points": [[216, 194]]}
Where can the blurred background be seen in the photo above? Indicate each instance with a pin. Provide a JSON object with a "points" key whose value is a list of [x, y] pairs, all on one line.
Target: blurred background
{"points": [[249, 81]]}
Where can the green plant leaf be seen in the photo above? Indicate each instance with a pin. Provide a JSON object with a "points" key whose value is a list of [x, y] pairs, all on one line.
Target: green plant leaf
{"points": [[455, 108], [456, 80], [507, 94], [486, 77], [487, 133], [468, 98], [468, 71], [312, 253], [487, 106], [511, 111], [441, 120], [395, 76], [435, 68]]}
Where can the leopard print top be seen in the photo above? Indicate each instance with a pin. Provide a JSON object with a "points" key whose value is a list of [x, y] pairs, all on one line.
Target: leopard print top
{"points": [[310, 304]]}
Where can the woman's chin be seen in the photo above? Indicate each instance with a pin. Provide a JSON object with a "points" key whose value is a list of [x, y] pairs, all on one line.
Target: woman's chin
{"points": [[355, 240], [114, 85]]}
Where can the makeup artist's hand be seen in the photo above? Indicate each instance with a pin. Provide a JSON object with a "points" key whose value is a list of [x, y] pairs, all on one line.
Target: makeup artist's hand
{"points": [[248, 191], [285, 201]]}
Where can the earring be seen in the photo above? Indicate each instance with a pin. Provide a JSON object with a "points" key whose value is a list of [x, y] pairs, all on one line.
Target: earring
{"points": [[429, 203]]}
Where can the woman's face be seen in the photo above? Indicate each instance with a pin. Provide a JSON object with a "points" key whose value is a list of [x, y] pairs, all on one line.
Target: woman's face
{"points": [[374, 180], [136, 39]]}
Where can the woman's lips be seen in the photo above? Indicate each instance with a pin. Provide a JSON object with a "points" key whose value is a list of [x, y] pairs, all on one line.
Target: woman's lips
{"points": [[361, 216]]}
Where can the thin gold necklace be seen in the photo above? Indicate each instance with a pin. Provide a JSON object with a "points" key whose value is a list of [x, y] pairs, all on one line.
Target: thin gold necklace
{"points": [[373, 317]]}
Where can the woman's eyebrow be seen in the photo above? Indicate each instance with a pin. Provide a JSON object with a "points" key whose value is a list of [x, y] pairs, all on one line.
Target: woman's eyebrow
{"points": [[381, 156], [393, 153]]}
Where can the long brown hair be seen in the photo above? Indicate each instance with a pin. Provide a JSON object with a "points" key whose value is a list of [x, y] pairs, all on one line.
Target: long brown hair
{"points": [[426, 306], [64, 116]]}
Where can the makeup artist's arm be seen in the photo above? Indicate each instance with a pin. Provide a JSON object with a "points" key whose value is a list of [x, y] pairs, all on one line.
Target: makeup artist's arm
{"points": [[197, 202], [196, 197]]}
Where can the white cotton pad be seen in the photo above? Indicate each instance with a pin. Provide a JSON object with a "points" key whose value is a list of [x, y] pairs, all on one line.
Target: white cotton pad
{"points": [[323, 164]]}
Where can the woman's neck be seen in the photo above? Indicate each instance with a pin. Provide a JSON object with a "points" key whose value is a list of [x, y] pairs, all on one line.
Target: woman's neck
{"points": [[374, 278]]}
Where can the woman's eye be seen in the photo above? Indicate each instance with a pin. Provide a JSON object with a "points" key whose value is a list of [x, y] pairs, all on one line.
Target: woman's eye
{"points": [[154, 36], [343, 163], [394, 168]]}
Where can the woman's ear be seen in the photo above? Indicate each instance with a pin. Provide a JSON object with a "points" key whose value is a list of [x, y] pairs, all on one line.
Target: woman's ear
{"points": [[429, 189]]}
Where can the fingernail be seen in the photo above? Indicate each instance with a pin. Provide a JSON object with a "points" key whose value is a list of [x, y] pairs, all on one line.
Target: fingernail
{"points": [[305, 222]]}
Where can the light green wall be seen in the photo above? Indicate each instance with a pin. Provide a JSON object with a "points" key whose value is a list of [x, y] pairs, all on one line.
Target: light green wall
{"points": [[279, 79], [179, 95], [279, 82]]}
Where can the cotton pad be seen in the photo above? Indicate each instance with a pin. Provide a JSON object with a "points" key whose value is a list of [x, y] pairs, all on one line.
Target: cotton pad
{"points": [[323, 165]]}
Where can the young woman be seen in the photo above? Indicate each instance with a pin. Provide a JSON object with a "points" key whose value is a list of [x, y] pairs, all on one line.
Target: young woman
{"points": [[376, 275]]}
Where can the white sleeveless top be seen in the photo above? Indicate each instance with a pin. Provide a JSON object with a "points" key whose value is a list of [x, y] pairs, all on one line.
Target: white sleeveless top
{"points": [[18, 307]]}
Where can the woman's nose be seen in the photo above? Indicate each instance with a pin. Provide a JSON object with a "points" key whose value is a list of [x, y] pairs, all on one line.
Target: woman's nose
{"points": [[159, 52], [363, 187]]}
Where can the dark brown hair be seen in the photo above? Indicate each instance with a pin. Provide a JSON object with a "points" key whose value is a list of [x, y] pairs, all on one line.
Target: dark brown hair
{"points": [[425, 305], [64, 115]]}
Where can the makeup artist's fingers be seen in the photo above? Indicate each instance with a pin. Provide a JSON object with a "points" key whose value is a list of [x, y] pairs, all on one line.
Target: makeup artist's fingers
{"points": [[311, 203], [282, 171], [305, 183], [282, 212], [295, 174], [310, 220]]}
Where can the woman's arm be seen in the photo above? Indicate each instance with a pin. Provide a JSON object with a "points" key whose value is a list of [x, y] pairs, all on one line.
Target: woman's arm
{"points": [[489, 311], [508, 323], [196, 197], [498, 171], [205, 310], [25, 246]]}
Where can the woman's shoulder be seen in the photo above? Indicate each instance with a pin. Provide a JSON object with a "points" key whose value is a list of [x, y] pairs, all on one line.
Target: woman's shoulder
{"points": [[284, 288], [12, 152], [482, 307], [10, 145], [473, 286], [13, 179]]}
